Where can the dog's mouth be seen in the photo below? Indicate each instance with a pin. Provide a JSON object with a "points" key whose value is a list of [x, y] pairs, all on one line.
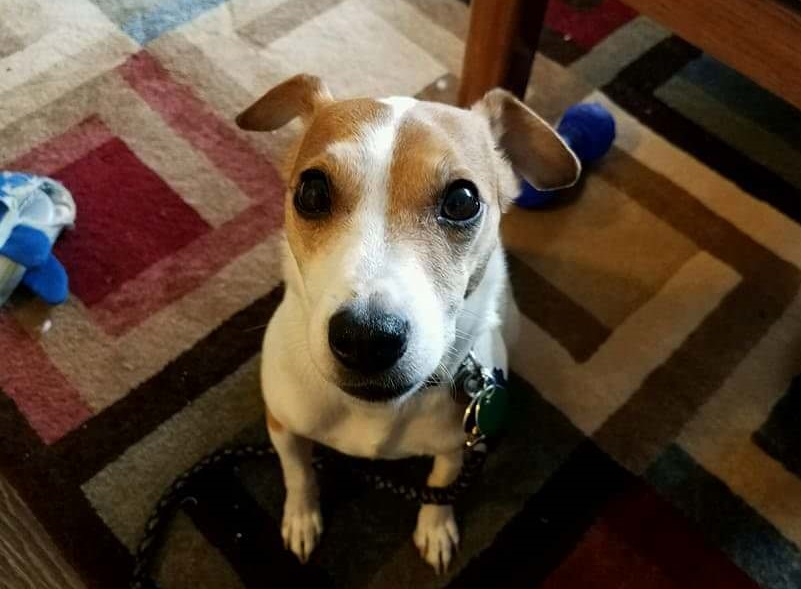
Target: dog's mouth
{"points": [[389, 389], [379, 392]]}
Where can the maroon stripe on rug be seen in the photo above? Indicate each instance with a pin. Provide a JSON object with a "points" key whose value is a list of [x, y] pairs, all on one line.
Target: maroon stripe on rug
{"points": [[550, 524], [678, 548], [130, 219], [194, 120], [82, 453], [61, 151], [60, 505], [640, 540], [49, 402], [250, 540], [588, 27], [49, 477], [575, 328], [174, 276]]}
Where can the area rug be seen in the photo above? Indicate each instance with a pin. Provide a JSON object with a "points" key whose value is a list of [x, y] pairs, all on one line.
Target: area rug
{"points": [[655, 434]]}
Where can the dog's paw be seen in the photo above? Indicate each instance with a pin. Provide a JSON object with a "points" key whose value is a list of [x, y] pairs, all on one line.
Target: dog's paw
{"points": [[437, 536], [301, 528]]}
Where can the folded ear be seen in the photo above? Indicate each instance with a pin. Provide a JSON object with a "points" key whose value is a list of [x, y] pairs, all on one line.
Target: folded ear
{"points": [[535, 150], [299, 96]]}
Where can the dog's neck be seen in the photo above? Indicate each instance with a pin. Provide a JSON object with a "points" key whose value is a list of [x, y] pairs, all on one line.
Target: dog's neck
{"points": [[481, 311]]}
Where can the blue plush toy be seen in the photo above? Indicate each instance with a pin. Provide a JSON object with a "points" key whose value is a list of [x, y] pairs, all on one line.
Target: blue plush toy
{"points": [[33, 211], [588, 129]]}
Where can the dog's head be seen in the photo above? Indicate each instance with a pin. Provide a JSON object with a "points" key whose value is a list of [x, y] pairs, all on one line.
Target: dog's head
{"points": [[392, 213]]}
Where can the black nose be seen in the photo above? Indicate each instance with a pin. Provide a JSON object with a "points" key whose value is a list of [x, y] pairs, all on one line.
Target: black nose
{"points": [[367, 339]]}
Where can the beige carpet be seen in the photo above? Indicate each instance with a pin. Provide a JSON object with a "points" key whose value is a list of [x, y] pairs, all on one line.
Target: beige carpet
{"points": [[655, 441]]}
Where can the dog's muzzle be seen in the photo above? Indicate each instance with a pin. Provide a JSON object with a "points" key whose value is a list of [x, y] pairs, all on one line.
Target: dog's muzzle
{"points": [[368, 342], [366, 339]]}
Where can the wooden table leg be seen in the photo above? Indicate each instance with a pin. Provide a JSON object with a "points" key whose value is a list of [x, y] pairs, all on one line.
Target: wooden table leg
{"points": [[500, 47]]}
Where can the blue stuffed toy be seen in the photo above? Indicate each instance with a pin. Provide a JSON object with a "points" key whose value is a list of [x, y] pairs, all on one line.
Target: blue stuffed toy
{"points": [[33, 211], [589, 130]]}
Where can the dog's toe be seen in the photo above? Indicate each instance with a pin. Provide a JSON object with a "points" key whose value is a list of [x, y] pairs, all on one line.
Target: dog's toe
{"points": [[437, 536], [300, 529]]}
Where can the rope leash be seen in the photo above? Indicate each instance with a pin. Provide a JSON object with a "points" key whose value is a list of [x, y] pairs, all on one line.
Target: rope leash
{"points": [[179, 492]]}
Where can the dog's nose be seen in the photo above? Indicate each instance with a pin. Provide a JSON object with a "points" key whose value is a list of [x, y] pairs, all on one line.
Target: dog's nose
{"points": [[367, 340]]}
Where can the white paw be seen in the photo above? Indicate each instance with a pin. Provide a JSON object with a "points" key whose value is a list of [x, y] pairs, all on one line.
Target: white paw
{"points": [[301, 528], [436, 536]]}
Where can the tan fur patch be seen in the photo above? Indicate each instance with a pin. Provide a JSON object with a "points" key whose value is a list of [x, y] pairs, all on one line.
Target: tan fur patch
{"points": [[436, 145], [338, 122], [273, 424]]}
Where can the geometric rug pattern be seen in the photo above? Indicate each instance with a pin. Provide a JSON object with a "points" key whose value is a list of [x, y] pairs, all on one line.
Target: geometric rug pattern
{"points": [[655, 437]]}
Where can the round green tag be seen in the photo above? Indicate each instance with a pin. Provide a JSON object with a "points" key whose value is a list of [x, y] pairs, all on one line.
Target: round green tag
{"points": [[492, 409]]}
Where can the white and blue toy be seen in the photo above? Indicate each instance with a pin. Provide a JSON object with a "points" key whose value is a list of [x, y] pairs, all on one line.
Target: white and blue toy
{"points": [[33, 211], [589, 130]]}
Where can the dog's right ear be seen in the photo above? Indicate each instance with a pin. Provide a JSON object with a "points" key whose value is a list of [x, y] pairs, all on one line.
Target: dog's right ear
{"points": [[299, 96]]}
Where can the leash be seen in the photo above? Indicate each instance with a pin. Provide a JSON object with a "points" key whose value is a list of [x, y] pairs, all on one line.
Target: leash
{"points": [[180, 491], [486, 393]]}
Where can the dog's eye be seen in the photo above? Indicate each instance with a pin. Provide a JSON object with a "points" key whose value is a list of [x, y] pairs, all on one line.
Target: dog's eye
{"points": [[312, 199], [460, 202]]}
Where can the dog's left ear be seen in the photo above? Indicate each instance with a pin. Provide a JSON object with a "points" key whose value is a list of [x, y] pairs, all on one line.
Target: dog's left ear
{"points": [[535, 150], [299, 96]]}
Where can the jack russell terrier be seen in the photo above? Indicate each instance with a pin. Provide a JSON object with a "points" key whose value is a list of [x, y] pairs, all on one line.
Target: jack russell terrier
{"points": [[394, 273]]}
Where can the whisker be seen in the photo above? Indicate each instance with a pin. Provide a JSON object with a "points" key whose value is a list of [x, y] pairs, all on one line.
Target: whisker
{"points": [[470, 313], [448, 375]]}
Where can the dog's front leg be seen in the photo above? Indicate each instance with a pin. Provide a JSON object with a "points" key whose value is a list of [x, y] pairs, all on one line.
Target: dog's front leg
{"points": [[302, 524], [436, 535]]}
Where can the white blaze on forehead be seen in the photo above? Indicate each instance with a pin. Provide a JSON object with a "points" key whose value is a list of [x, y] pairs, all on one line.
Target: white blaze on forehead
{"points": [[369, 157], [399, 104], [369, 154], [361, 261]]}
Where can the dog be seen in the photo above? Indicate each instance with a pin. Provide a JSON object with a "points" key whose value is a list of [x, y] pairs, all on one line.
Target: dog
{"points": [[394, 272]]}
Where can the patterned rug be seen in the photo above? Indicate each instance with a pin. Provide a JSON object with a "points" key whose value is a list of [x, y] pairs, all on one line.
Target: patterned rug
{"points": [[655, 440]]}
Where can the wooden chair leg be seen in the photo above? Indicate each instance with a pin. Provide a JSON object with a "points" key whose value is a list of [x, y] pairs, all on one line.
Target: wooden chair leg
{"points": [[500, 48]]}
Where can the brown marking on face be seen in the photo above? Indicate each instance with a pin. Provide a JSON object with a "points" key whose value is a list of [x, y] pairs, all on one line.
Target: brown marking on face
{"points": [[273, 424], [337, 122], [436, 145]]}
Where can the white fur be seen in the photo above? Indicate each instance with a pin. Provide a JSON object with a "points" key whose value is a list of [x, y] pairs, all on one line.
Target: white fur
{"points": [[363, 262], [298, 368], [309, 405]]}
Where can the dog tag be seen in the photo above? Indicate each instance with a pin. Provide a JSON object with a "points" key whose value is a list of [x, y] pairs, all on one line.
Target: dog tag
{"points": [[492, 407], [488, 408], [474, 435]]}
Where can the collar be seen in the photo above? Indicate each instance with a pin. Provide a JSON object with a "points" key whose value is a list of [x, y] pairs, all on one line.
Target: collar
{"points": [[483, 391]]}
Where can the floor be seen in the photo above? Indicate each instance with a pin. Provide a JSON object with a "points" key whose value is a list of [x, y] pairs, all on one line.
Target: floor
{"points": [[654, 441]]}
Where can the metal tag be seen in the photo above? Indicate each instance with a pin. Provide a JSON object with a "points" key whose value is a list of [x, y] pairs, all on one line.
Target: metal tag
{"points": [[488, 408]]}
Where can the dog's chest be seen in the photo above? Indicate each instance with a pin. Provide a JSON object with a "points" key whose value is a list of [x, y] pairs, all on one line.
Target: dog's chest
{"points": [[428, 427], [429, 424]]}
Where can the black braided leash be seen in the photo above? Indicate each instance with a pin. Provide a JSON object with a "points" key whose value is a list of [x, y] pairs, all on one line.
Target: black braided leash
{"points": [[179, 492]]}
